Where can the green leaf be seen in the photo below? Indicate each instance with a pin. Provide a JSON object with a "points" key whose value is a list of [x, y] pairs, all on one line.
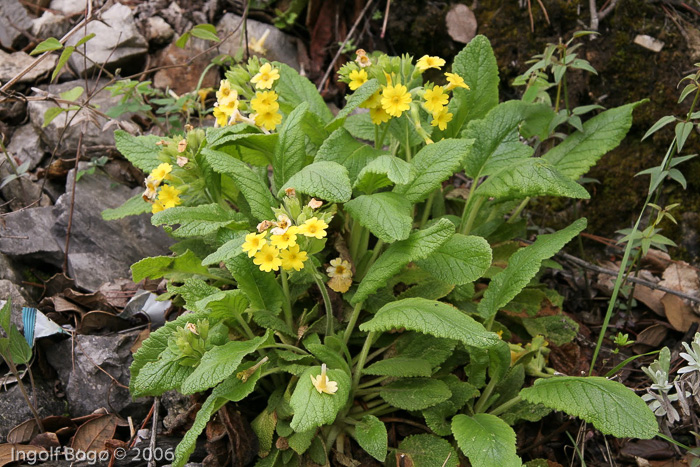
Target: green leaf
{"points": [[363, 93], [497, 143], [683, 130], [198, 220], [300, 442], [85, 39], [425, 346], [342, 148], [264, 427], [434, 164], [325, 180], [47, 46], [253, 148], [476, 63], [62, 60], [530, 177], [384, 171], [218, 364], [460, 260], [371, 435], [294, 90], [360, 126], [290, 152], [400, 367], [431, 317], [523, 266], [662, 122], [72, 94], [387, 215], [228, 250], [234, 389], [313, 409], [417, 246], [251, 185], [142, 151], [172, 267], [51, 114], [602, 133], [486, 440], [206, 32], [131, 207], [427, 451], [156, 377], [608, 405], [181, 42], [261, 288], [415, 393], [557, 329], [14, 344], [186, 447]]}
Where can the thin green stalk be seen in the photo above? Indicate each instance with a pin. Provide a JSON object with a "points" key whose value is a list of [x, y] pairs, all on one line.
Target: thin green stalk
{"points": [[244, 325], [355, 239], [473, 211], [376, 353], [23, 390], [428, 208], [407, 146], [485, 396], [383, 135], [376, 137], [514, 217], [372, 382], [353, 320], [287, 304], [505, 406], [326, 303], [361, 361], [380, 410]]}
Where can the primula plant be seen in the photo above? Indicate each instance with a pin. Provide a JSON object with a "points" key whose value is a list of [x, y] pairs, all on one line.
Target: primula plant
{"points": [[335, 270]]}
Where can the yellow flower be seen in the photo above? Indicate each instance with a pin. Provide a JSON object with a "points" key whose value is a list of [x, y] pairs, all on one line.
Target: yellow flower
{"points": [[455, 81], [340, 284], [286, 240], [265, 77], [168, 196], [152, 183], [441, 118], [313, 227], [357, 79], [435, 99], [157, 207], [253, 243], [162, 172], [224, 90], [427, 61], [339, 267], [268, 120], [220, 116], [149, 195], [293, 258], [362, 58], [379, 115], [323, 384], [268, 258], [229, 105], [283, 223], [203, 93], [396, 99], [257, 45], [265, 101], [374, 101]]}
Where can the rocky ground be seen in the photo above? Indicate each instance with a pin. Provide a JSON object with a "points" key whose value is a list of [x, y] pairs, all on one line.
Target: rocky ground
{"points": [[58, 254]]}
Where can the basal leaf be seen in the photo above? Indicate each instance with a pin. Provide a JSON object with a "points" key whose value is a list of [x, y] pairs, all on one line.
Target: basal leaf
{"points": [[426, 450], [261, 288], [141, 151], [363, 93], [486, 440], [342, 148], [290, 152], [460, 260], [371, 435], [415, 393], [198, 220], [188, 443], [295, 89], [530, 177], [254, 189], [601, 134], [523, 266], [179, 267], [384, 171], [228, 250], [400, 367], [387, 215], [431, 317], [131, 207], [325, 180], [417, 246], [156, 377], [313, 409], [434, 164], [608, 405]]}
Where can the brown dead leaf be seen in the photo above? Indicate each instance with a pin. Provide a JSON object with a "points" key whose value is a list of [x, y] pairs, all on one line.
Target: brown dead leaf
{"points": [[92, 435], [679, 313], [143, 335], [61, 305], [46, 440], [650, 337], [11, 452], [101, 320], [57, 284], [90, 301], [681, 276], [23, 433], [118, 292], [461, 23], [651, 298]]}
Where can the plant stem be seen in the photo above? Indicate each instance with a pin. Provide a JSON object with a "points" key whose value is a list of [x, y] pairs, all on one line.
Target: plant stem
{"points": [[361, 361], [244, 325], [428, 208], [351, 324], [514, 217], [23, 390], [327, 304], [483, 400], [473, 211], [505, 406], [287, 300], [372, 382]]}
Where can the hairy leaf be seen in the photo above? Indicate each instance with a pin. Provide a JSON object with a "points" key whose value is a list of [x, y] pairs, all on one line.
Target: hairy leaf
{"points": [[295, 89], [460, 260], [173, 267], [415, 393], [325, 180], [198, 220], [355, 100], [313, 409], [371, 435], [400, 367], [384, 171], [426, 450], [260, 287], [387, 215], [131, 207], [186, 447], [290, 153], [486, 440], [342, 148], [228, 250], [141, 151]]}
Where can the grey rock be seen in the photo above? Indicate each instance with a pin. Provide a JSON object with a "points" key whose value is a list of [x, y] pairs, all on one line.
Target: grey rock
{"points": [[8, 270], [79, 364], [117, 42], [12, 111], [26, 235], [26, 146], [19, 297], [184, 80], [50, 25], [13, 20], [278, 45], [93, 134], [12, 64], [175, 405], [68, 7], [21, 192], [14, 409], [158, 31], [101, 251]]}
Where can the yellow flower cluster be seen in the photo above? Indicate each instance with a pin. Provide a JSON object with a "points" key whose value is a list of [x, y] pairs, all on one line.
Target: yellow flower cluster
{"points": [[282, 249], [167, 196], [226, 108]]}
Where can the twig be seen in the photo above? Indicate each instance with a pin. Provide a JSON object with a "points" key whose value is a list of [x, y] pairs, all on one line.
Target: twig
{"points": [[154, 429], [98, 366], [342, 46], [634, 280], [407, 422], [386, 18], [72, 202]]}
